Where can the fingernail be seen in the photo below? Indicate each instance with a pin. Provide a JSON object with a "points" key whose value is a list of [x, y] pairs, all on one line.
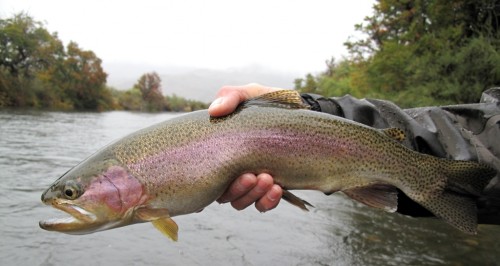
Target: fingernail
{"points": [[241, 187], [217, 101], [244, 183], [273, 195]]}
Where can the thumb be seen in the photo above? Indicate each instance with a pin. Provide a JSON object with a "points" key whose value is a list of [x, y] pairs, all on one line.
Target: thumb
{"points": [[230, 96]]}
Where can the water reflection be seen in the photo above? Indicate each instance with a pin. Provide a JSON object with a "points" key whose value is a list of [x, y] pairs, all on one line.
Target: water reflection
{"points": [[376, 238]]}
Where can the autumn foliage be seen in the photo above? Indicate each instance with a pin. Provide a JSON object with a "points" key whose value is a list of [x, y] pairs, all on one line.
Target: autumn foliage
{"points": [[36, 70]]}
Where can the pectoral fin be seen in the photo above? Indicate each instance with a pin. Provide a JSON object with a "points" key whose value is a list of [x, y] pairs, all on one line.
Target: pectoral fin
{"points": [[294, 200], [168, 227], [160, 219], [147, 214], [376, 195]]}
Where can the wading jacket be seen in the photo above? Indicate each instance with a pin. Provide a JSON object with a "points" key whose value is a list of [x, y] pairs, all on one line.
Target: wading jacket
{"points": [[460, 132]]}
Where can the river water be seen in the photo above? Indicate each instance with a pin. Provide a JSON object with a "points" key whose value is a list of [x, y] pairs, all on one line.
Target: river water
{"points": [[38, 147]]}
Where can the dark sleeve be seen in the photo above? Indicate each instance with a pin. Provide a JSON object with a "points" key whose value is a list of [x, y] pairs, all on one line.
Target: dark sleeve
{"points": [[460, 132]]}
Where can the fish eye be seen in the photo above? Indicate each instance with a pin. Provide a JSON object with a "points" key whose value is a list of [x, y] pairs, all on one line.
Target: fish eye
{"points": [[71, 190]]}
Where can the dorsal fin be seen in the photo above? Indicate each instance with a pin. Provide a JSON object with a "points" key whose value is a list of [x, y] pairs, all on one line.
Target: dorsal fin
{"points": [[395, 134], [289, 99]]}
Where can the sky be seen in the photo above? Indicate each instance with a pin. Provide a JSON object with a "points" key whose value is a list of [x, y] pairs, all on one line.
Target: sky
{"points": [[284, 35]]}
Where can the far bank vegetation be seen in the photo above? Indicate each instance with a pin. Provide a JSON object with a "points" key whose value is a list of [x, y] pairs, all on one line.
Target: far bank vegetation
{"points": [[38, 71]]}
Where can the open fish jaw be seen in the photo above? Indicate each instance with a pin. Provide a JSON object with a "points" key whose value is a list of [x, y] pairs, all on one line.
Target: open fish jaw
{"points": [[79, 219]]}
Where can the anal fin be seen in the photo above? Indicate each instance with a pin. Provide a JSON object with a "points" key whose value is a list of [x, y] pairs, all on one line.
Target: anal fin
{"points": [[379, 196]]}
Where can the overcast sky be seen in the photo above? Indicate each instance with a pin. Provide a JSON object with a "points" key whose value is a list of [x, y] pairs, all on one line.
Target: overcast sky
{"points": [[285, 35]]}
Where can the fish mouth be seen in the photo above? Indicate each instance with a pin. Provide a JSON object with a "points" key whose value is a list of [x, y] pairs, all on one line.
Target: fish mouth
{"points": [[80, 221]]}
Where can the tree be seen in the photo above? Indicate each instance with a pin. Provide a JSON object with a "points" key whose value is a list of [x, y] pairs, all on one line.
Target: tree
{"points": [[149, 84], [25, 48], [420, 52], [307, 85], [83, 78], [36, 70]]}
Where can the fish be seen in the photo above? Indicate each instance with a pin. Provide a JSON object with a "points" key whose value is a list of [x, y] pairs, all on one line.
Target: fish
{"points": [[181, 165]]}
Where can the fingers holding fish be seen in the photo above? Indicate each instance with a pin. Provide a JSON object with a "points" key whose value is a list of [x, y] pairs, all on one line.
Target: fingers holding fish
{"points": [[270, 200], [229, 97], [263, 185], [249, 188], [239, 187]]}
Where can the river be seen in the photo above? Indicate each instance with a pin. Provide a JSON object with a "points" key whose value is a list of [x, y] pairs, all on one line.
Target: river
{"points": [[38, 147]]}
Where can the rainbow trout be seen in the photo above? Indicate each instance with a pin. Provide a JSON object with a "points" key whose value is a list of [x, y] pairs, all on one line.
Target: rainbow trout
{"points": [[184, 164]]}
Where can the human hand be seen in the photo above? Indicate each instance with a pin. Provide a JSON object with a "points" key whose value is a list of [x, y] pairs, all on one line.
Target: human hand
{"points": [[228, 97], [248, 188]]}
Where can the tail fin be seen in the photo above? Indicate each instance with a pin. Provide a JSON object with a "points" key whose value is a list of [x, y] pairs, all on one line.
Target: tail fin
{"points": [[456, 204]]}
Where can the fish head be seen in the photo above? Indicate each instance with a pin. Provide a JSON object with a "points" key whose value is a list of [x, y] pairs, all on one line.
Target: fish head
{"points": [[99, 194]]}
